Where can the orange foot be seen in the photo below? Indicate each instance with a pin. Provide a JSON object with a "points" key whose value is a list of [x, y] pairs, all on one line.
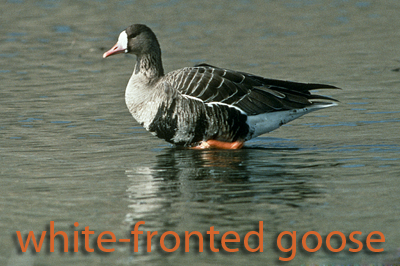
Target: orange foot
{"points": [[216, 144]]}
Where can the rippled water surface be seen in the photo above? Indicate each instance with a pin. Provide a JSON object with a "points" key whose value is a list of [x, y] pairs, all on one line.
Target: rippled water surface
{"points": [[70, 151]]}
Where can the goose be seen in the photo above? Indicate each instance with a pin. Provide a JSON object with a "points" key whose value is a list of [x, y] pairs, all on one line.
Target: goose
{"points": [[207, 107]]}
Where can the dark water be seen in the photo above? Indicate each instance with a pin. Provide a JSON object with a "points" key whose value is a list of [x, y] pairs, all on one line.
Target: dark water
{"points": [[70, 151]]}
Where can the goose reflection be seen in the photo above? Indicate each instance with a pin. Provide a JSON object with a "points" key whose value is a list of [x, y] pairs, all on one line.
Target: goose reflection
{"points": [[201, 187]]}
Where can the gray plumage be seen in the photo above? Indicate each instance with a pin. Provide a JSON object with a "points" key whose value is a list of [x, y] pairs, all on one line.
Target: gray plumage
{"points": [[199, 103]]}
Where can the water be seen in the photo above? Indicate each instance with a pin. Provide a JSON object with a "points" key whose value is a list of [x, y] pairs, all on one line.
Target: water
{"points": [[71, 152]]}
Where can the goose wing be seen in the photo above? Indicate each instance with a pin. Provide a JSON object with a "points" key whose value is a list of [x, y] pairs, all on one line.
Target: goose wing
{"points": [[252, 94]]}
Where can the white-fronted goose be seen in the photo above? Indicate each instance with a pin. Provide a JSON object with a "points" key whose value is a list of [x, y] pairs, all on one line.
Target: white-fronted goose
{"points": [[205, 106]]}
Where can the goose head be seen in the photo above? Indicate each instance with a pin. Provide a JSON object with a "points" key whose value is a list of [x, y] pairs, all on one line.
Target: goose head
{"points": [[137, 39]]}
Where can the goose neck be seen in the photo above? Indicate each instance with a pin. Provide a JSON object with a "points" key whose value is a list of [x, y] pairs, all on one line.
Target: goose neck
{"points": [[149, 65]]}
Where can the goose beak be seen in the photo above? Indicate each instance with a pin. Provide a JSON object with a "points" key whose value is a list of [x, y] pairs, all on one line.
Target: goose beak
{"points": [[116, 49]]}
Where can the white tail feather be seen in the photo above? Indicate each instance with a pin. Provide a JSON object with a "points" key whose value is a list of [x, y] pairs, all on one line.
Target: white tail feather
{"points": [[264, 123]]}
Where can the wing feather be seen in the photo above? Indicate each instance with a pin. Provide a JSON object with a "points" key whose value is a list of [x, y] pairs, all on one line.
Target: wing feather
{"points": [[252, 94]]}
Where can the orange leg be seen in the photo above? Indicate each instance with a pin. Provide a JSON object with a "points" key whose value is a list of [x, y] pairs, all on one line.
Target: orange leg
{"points": [[216, 144]]}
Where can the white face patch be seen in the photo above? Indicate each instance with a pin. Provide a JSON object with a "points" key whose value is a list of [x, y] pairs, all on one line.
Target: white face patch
{"points": [[123, 40]]}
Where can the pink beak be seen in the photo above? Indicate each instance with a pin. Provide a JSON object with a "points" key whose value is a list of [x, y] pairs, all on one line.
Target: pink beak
{"points": [[116, 49]]}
